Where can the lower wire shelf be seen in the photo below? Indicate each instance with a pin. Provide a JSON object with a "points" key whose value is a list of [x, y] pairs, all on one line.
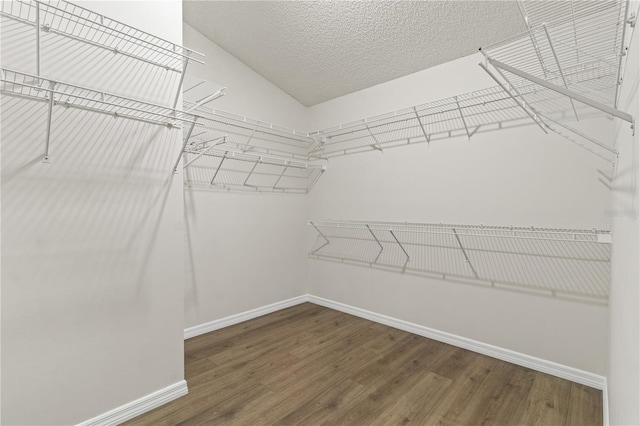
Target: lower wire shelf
{"points": [[564, 263], [211, 166]]}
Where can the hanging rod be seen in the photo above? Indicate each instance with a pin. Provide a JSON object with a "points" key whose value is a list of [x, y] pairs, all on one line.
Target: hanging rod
{"points": [[565, 263]]}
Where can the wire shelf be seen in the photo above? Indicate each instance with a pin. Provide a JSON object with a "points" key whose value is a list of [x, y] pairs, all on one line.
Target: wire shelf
{"points": [[249, 135], [60, 94], [75, 22], [210, 165], [563, 263], [574, 48], [15, 83]]}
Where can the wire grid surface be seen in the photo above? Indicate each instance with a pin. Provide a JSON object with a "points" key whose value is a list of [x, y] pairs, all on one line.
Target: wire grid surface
{"points": [[563, 263], [249, 135], [70, 96], [580, 50], [245, 171], [70, 20], [459, 116]]}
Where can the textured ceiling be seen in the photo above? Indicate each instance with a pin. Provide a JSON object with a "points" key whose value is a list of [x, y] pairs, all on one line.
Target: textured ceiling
{"points": [[316, 51]]}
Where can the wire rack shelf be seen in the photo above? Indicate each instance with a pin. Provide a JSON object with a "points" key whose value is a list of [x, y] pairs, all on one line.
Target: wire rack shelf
{"points": [[463, 116], [73, 21], [578, 55], [563, 263], [213, 165], [65, 95], [249, 135]]}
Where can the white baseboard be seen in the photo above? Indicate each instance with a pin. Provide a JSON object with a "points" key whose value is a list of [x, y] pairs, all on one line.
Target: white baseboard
{"points": [[242, 316], [139, 406], [538, 364], [605, 403], [549, 367]]}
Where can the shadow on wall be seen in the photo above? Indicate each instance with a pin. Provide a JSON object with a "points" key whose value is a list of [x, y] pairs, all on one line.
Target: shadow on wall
{"points": [[570, 265], [88, 219]]}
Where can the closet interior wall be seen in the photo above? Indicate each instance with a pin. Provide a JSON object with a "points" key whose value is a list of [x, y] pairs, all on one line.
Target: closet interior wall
{"points": [[244, 250], [93, 240], [518, 176], [624, 349]]}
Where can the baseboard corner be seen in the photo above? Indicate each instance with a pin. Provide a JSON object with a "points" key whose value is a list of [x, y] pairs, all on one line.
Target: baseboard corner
{"points": [[243, 316]]}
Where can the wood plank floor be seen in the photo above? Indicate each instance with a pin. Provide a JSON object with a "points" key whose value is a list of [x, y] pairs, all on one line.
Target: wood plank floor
{"points": [[309, 365]]}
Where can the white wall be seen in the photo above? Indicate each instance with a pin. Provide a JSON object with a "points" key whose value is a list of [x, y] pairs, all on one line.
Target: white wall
{"points": [[624, 351], [93, 242], [244, 250], [519, 177]]}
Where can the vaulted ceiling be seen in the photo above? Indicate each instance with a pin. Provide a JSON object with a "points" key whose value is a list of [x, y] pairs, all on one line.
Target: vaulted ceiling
{"points": [[320, 50]]}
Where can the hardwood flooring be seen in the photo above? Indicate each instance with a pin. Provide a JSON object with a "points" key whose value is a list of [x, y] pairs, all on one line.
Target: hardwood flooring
{"points": [[309, 365]]}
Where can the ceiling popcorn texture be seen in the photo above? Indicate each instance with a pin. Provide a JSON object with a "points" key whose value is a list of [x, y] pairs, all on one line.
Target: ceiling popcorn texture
{"points": [[316, 51]]}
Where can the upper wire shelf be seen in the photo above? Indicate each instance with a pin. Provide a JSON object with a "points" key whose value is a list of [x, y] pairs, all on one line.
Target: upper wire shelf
{"points": [[70, 20], [56, 93], [578, 55], [460, 116], [67, 95], [249, 135], [565, 263]]}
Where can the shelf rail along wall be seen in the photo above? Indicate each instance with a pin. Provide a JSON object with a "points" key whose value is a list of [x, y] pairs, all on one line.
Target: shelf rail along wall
{"points": [[232, 152], [65, 95], [80, 24], [563, 263]]}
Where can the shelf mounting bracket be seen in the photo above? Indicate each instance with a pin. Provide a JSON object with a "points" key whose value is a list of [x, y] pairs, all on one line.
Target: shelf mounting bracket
{"points": [[184, 145], [464, 253], [522, 105], [45, 158], [424, 132], [203, 152], [555, 56], [466, 129], [224, 157], [405, 252], [322, 235], [377, 241]]}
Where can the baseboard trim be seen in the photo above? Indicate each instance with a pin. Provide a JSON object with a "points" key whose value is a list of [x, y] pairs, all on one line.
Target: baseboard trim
{"points": [[534, 363], [605, 403], [242, 316], [139, 406]]}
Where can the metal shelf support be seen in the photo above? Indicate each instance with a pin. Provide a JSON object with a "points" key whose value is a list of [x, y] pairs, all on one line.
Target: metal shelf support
{"points": [[578, 97]]}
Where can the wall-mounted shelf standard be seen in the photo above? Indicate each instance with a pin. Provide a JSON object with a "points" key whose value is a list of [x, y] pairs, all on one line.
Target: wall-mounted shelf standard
{"points": [[251, 136], [211, 164], [56, 93], [563, 263], [578, 56], [75, 22]]}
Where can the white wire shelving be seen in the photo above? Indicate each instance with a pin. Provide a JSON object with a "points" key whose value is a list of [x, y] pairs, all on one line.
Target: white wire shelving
{"points": [[65, 95], [209, 165], [580, 50], [564, 263], [75, 22], [251, 136], [573, 49], [239, 153]]}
